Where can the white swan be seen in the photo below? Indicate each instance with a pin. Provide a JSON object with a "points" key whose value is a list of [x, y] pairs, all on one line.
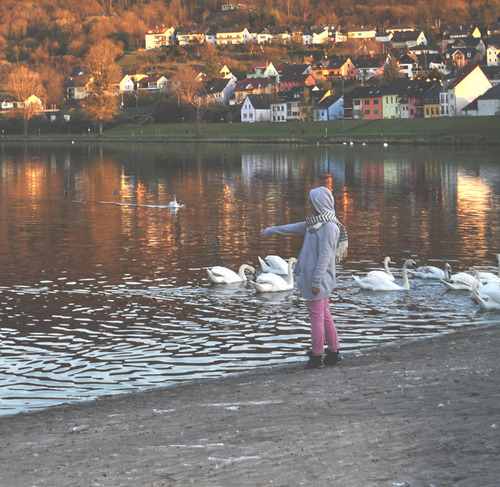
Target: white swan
{"points": [[269, 282], [382, 282], [487, 295], [461, 281], [486, 277], [432, 272], [386, 272], [174, 203], [223, 275], [274, 264]]}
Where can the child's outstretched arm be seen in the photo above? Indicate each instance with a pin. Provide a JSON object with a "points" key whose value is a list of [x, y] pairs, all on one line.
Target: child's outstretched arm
{"points": [[289, 229]]}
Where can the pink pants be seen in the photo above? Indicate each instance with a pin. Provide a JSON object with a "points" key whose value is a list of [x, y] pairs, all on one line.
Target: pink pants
{"points": [[322, 326]]}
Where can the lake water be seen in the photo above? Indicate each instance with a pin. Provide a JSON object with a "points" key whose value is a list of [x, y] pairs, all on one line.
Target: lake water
{"points": [[104, 290]]}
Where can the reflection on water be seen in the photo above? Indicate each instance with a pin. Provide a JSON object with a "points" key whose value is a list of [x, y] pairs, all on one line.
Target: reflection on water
{"points": [[103, 286]]}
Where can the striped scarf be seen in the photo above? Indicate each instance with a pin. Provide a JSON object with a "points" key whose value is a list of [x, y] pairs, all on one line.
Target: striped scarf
{"points": [[313, 223]]}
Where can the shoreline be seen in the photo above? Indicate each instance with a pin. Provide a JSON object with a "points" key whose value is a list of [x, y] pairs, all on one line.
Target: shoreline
{"points": [[330, 141], [423, 411]]}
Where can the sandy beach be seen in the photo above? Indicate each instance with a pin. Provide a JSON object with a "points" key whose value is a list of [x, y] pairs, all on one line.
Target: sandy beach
{"points": [[418, 413]]}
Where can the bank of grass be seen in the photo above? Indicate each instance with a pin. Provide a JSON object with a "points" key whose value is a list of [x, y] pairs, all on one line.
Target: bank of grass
{"points": [[446, 130], [438, 130]]}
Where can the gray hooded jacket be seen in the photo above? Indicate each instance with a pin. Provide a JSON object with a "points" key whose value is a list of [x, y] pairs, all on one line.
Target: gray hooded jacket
{"points": [[316, 263]]}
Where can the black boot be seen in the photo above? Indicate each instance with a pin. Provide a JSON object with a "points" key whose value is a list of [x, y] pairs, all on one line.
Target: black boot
{"points": [[332, 357], [315, 361]]}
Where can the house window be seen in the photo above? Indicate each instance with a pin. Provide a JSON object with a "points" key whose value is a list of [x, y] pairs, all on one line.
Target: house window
{"points": [[367, 112], [356, 102], [375, 102], [367, 102], [375, 111]]}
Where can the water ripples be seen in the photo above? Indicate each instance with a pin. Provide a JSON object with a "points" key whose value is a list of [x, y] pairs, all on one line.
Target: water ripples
{"points": [[108, 339], [104, 289]]}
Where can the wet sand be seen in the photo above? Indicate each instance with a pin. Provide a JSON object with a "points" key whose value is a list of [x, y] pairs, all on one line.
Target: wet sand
{"points": [[420, 413]]}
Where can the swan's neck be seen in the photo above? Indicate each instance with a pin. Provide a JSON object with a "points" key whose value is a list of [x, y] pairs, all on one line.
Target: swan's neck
{"points": [[485, 305], [387, 270], [242, 270], [290, 271], [406, 281], [446, 273]]}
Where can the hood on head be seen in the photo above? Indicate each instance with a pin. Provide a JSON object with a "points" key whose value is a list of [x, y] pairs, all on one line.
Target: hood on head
{"points": [[322, 199]]}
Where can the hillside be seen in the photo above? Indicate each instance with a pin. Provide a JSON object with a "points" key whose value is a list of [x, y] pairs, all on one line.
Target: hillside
{"points": [[52, 38], [60, 34]]}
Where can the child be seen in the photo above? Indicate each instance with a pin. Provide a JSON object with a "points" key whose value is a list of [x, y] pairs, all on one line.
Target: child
{"points": [[325, 243]]}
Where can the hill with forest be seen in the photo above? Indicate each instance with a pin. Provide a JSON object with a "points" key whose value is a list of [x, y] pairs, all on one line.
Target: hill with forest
{"points": [[53, 37]]}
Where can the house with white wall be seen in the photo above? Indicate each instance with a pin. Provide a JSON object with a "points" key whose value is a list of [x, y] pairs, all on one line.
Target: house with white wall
{"points": [[319, 34], [256, 108], [457, 93], [263, 69], [289, 103], [493, 55], [488, 104], [329, 108], [262, 37], [156, 83], [368, 67], [159, 37], [232, 36], [7, 104], [127, 84], [280, 34], [409, 64], [220, 90], [278, 111], [362, 32], [407, 40]]}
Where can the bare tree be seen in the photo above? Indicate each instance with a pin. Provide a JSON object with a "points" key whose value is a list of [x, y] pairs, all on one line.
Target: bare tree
{"points": [[101, 104], [22, 83], [191, 91]]}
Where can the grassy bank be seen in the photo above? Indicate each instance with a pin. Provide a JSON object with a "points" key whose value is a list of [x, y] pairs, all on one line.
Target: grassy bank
{"points": [[460, 130]]}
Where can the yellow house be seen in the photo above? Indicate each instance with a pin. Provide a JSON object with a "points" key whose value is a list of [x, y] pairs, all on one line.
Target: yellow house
{"points": [[431, 101], [391, 97]]}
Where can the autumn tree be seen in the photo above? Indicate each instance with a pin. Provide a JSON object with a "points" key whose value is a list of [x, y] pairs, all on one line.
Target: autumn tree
{"points": [[191, 91], [101, 104], [21, 84]]}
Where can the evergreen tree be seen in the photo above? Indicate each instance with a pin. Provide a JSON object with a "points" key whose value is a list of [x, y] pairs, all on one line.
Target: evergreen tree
{"points": [[391, 71]]}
